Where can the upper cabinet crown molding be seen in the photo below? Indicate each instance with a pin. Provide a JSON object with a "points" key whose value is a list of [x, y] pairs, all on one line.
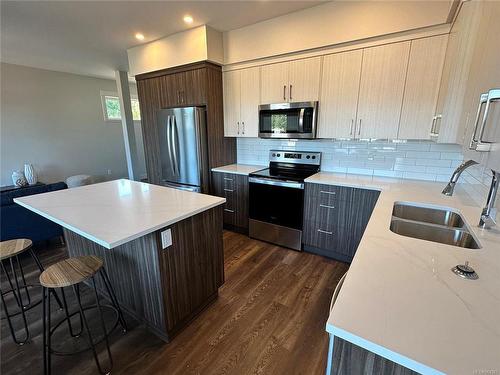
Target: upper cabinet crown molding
{"points": [[291, 81]]}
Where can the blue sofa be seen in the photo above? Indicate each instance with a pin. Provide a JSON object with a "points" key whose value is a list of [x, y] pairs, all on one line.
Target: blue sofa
{"points": [[19, 222]]}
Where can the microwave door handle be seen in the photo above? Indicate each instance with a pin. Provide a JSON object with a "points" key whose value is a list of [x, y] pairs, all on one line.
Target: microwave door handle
{"points": [[301, 120]]}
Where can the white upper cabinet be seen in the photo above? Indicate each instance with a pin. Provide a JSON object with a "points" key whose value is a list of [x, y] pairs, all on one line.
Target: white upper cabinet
{"points": [[339, 95], [250, 100], [381, 90], [304, 77], [291, 81], [232, 99], [422, 87], [241, 102]]}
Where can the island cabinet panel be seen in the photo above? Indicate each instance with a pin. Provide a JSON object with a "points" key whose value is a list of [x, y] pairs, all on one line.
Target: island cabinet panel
{"points": [[335, 218], [192, 268], [198, 84], [163, 288], [234, 188], [352, 359]]}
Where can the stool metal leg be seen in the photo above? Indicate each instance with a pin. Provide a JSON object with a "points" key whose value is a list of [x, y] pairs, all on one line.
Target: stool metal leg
{"points": [[114, 300], [44, 318], [16, 291], [21, 271], [66, 311], [87, 329]]}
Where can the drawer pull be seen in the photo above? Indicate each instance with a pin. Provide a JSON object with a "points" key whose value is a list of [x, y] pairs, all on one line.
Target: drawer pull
{"points": [[228, 179], [228, 210], [229, 190], [326, 206], [325, 232], [328, 192]]}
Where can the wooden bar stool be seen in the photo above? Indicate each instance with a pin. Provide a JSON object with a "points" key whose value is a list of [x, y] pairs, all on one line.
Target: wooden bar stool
{"points": [[10, 251], [70, 273]]}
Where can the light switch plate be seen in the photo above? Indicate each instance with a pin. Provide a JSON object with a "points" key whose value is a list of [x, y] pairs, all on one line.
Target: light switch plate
{"points": [[166, 238]]}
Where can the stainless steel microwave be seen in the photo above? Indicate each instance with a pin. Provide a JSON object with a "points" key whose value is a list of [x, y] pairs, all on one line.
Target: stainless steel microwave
{"points": [[288, 120]]}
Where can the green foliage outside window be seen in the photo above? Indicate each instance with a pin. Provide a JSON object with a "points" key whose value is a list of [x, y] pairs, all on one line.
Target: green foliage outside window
{"points": [[113, 108]]}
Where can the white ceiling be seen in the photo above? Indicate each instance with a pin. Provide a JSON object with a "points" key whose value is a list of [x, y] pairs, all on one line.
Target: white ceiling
{"points": [[91, 38]]}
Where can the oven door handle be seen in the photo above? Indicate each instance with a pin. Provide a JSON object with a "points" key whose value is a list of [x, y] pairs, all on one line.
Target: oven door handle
{"points": [[269, 181]]}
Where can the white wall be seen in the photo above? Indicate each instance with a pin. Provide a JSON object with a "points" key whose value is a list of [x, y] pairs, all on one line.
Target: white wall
{"points": [[193, 45], [330, 24], [55, 121]]}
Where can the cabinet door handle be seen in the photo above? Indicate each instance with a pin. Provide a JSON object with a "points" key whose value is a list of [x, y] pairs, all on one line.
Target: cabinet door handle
{"points": [[178, 96], [359, 130], [228, 179], [284, 92], [482, 145], [325, 232], [291, 92], [433, 126], [326, 206], [229, 190], [228, 210], [352, 125], [243, 126], [328, 192], [238, 127]]}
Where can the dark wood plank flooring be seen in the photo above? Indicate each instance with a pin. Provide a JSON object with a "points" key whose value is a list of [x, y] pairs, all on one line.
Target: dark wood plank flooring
{"points": [[269, 318]]}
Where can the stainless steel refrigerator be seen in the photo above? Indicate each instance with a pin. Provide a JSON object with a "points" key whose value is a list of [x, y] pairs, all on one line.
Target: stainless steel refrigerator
{"points": [[183, 148]]}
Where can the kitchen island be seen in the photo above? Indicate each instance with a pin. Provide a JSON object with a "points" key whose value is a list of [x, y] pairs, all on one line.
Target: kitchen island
{"points": [[162, 247]]}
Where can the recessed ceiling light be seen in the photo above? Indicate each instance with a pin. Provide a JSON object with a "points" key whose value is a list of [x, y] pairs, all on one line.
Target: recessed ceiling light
{"points": [[139, 36], [188, 19]]}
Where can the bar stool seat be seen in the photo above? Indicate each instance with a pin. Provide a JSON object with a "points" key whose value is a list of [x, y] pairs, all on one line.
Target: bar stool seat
{"points": [[18, 287], [70, 271], [12, 248]]}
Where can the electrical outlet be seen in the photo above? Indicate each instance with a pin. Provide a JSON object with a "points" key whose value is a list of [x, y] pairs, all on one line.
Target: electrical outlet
{"points": [[166, 238]]}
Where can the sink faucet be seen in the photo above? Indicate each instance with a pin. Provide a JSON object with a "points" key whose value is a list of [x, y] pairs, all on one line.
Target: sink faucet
{"points": [[488, 216], [448, 190]]}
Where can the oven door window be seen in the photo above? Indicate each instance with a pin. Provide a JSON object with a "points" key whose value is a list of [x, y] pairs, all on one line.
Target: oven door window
{"points": [[277, 205], [293, 120]]}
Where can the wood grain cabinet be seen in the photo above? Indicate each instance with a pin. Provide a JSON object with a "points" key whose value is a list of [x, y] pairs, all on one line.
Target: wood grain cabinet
{"points": [[198, 84], [422, 87], [291, 81], [234, 188], [241, 102], [335, 219]]}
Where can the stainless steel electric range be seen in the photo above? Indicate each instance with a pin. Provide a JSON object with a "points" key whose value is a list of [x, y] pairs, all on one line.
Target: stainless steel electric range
{"points": [[276, 204]]}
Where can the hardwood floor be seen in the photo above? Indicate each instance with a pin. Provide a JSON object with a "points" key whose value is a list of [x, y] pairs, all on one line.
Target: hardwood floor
{"points": [[269, 318]]}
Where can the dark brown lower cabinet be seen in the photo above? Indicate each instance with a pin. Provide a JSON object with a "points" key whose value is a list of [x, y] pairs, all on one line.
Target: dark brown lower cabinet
{"points": [[350, 359], [164, 288], [234, 188], [335, 218]]}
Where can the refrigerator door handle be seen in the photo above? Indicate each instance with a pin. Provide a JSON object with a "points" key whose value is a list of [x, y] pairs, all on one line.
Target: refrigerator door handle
{"points": [[169, 143], [175, 136]]}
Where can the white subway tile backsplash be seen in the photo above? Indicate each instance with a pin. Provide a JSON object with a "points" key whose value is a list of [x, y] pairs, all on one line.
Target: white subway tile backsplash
{"points": [[423, 154], [452, 155]]}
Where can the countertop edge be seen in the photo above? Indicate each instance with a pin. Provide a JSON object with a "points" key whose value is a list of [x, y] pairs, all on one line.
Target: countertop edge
{"points": [[382, 351], [230, 169], [114, 244]]}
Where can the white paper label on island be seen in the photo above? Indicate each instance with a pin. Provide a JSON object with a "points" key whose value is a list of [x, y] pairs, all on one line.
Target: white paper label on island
{"points": [[166, 238]]}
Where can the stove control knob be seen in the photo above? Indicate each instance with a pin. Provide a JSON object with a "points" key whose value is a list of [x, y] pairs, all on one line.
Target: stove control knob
{"points": [[274, 154], [308, 156], [279, 155], [314, 157]]}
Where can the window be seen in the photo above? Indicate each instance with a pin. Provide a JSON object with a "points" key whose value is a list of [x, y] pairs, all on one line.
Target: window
{"points": [[111, 107]]}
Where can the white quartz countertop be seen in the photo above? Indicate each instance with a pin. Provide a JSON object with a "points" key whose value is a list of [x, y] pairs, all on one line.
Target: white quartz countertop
{"points": [[244, 169], [115, 212], [400, 299]]}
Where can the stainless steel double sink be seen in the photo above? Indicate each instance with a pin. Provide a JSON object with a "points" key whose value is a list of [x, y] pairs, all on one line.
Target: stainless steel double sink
{"points": [[432, 224]]}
